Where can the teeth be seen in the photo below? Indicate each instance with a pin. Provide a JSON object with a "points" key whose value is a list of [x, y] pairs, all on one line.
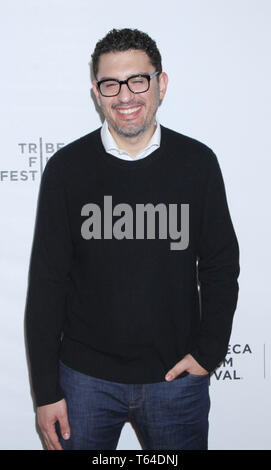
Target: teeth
{"points": [[128, 111]]}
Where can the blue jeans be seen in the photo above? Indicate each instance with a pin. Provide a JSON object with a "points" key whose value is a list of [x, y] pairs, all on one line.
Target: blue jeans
{"points": [[164, 415]]}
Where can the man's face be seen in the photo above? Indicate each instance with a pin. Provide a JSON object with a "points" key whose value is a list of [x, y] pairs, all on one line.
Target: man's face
{"points": [[121, 65]]}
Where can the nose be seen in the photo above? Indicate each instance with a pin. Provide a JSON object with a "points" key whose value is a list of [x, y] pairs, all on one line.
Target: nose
{"points": [[125, 95]]}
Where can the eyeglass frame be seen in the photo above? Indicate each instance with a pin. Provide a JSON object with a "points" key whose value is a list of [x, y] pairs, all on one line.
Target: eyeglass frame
{"points": [[125, 82]]}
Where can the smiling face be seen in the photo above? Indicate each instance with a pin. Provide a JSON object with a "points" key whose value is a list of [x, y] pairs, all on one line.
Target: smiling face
{"points": [[129, 114]]}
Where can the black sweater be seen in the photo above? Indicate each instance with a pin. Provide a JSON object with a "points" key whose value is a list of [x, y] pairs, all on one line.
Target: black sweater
{"points": [[118, 298]]}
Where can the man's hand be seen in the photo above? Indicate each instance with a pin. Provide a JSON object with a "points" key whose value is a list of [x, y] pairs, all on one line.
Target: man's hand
{"points": [[47, 416], [189, 364]]}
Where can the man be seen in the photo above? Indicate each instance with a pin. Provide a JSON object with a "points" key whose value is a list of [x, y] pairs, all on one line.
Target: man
{"points": [[133, 276]]}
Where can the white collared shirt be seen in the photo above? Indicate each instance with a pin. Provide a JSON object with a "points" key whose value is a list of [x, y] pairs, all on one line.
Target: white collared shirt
{"points": [[112, 148]]}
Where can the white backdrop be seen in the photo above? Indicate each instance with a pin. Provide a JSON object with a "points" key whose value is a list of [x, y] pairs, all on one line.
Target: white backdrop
{"points": [[217, 56]]}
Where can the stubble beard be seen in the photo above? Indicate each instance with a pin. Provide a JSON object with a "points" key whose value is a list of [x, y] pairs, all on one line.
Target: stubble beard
{"points": [[132, 130]]}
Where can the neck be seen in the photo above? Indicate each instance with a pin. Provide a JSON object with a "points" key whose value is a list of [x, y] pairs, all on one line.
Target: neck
{"points": [[133, 145]]}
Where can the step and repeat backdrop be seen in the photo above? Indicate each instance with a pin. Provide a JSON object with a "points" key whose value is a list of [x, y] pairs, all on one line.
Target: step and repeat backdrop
{"points": [[217, 56]]}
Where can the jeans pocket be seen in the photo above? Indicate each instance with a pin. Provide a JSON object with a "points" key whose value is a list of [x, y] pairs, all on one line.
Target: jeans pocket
{"points": [[198, 376]]}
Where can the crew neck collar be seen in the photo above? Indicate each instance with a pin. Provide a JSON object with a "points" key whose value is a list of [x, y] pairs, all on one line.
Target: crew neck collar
{"points": [[141, 163]]}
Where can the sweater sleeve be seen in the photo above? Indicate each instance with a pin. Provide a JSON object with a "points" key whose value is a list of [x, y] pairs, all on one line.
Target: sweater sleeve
{"points": [[218, 271], [48, 285]]}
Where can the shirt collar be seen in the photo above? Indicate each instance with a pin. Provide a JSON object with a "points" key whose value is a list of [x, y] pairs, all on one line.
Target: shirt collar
{"points": [[111, 146]]}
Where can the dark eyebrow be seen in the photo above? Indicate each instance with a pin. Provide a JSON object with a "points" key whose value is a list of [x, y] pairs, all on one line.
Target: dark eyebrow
{"points": [[106, 78], [114, 78]]}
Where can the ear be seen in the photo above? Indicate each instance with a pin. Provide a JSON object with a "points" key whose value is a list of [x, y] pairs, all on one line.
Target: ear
{"points": [[163, 81], [96, 92]]}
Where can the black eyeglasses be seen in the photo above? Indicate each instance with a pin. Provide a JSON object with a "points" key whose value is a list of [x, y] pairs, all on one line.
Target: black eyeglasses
{"points": [[136, 84]]}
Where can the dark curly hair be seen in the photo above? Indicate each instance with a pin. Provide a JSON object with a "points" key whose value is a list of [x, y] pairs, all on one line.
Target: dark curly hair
{"points": [[124, 39]]}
